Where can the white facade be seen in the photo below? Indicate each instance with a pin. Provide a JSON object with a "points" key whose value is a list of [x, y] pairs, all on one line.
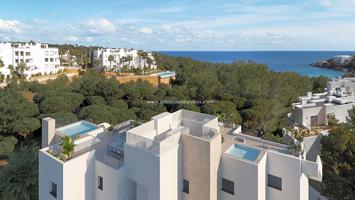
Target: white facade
{"points": [[174, 156], [39, 58], [341, 59], [315, 109], [120, 59]]}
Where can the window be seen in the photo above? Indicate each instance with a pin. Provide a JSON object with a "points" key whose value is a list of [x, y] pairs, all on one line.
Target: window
{"points": [[21, 53], [274, 182], [28, 53], [186, 186], [228, 186], [53, 190], [16, 60], [51, 59], [100, 183], [28, 60], [16, 53], [46, 59]]}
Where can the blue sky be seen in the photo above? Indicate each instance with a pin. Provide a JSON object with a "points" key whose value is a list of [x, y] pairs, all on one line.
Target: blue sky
{"points": [[184, 24]]}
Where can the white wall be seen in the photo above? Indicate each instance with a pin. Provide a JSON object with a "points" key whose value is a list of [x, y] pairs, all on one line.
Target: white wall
{"points": [[243, 174], [340, 111], [50, 170], [289, 169], [143, 168], [79, 177], [115, 184]]}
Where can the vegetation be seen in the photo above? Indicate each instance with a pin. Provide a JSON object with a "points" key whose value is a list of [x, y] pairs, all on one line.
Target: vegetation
{"points": [[7, 145], [19, 179], [338, 150], [67, 145]]}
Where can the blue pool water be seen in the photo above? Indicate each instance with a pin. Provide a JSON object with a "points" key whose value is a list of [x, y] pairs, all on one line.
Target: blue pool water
{"points": [[243, 152], [77, 128], [279, 61]]}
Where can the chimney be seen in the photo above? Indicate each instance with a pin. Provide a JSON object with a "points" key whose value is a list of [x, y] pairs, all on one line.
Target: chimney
{"points": [[48, 131]]}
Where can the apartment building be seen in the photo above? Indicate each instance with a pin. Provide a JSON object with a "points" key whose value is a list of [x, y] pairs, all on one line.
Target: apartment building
{"points": [[317, 109], [122, 57], [38, 57], [175, 156]]}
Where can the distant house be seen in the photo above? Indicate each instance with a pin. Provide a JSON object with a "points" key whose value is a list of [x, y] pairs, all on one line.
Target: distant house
{"points": [[118, 58], [174, 156], [37, 57], [341, 59], [317, 109]]}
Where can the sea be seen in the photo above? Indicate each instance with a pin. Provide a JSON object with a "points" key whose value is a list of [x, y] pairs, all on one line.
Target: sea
{"points": [[280, 61]]}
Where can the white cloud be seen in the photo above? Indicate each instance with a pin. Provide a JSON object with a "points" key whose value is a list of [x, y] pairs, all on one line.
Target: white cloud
{"points": [[100, 26], [10, 26], [146, 30]]}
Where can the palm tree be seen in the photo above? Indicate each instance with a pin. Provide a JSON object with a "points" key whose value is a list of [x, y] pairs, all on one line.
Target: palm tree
{"points": [[111, 58]]}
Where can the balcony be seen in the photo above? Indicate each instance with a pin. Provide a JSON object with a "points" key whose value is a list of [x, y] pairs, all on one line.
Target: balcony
{"points": [[313, 170]]}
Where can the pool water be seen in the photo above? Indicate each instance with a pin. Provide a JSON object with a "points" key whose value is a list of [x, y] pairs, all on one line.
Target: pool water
{"points": [[77, 128], [243, 152]]}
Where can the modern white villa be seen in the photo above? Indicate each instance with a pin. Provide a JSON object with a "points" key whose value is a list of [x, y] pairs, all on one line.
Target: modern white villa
{"points": [[175, 156], [38, 57], [317, 109], [122, 57]]}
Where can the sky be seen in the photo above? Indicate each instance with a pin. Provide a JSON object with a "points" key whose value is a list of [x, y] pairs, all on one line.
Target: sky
{"points": [[220, 25]]}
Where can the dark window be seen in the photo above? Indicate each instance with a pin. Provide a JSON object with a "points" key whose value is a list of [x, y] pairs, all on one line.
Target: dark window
{"points": [[53, 190], [51, 59], [46, 59], [16, 53], [186, 186], [228, 186], [21, 53], [28, 53], [274, 182], [100, 183]]}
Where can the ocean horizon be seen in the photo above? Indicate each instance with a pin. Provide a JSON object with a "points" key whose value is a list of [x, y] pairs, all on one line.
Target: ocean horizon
{"points": [[279, 61]]}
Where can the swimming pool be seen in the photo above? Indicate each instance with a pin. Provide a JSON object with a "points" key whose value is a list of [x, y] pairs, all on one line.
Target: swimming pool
{"points": [[77, 128], [243, 152], [166, 74]]}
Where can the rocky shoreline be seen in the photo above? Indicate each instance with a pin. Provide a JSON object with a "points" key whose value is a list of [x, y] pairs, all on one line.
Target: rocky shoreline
{"points": [[344, 63]]}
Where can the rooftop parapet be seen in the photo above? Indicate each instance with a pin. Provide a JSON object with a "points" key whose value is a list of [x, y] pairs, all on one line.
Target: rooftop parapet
{"points": [[164, 130]]}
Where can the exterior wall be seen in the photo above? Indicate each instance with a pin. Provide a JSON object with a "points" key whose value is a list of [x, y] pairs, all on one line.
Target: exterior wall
{"points": [[48, 131], [79, 177], [289, 169], [200, 160], [103, 54], [244, 174], [154, 80], [340, 111], [41, 59], [116, 185], [143, 168], [50, 170], [308, 112], [170, 186]]}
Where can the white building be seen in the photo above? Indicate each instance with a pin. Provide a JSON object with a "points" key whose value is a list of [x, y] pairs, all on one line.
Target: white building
{"points": [[341, 59], [39, 58], [121, 58], [174, 156], [316, 109]]}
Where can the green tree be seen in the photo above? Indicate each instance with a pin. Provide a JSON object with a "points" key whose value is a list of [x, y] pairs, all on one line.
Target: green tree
{"points": [[19, 178], [338, 150], [7, 145]]}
